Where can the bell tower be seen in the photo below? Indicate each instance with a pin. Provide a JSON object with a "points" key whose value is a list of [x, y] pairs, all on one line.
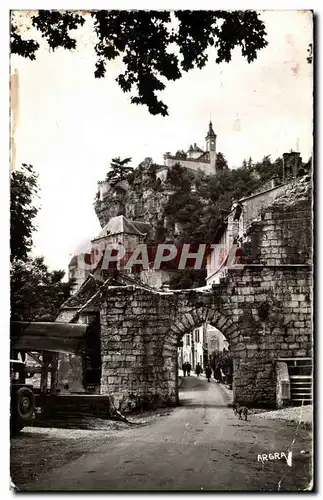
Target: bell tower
{"points": [[211, 145]]}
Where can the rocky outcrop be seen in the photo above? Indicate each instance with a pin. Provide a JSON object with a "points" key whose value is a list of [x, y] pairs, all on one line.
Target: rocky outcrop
{"points": [[144, 205]]}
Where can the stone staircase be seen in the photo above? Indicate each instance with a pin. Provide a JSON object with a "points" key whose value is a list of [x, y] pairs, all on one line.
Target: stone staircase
{"points": [[300, 372]]}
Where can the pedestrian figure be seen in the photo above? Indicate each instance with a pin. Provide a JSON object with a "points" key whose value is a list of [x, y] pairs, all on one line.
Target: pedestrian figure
{"points": [[208, 373], [184, 368], [217, 373], [198, 369], [188, 367]]}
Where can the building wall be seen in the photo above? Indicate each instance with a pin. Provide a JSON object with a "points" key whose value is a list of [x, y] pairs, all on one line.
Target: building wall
{"points": [[283, 235], [162, 174], [70, 374], [192, 350], [76, 272], [155, 278], [215, 340], [251, 210], [205, 167], [252, 206], [186, 350], [215, 260], [198, 336]]}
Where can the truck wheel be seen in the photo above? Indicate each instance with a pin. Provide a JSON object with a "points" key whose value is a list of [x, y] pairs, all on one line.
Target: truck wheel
{"points": [[25, 404]]}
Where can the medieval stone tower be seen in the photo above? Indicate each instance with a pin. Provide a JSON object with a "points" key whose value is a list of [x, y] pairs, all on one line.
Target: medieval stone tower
{"points": [[211, 145]]}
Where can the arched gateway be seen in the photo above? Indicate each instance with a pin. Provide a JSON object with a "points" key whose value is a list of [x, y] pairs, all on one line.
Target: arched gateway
{"points": [[263, 311]]}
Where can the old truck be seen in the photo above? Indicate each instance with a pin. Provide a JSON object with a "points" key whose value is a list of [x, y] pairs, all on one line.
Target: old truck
{"points": [[22, 400]]}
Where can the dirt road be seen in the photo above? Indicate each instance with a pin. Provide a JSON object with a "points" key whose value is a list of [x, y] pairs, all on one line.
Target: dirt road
{"points": [[200, 445]]}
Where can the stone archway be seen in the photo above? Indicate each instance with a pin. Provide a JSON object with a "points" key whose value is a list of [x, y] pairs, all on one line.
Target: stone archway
{"points": [[195, 318], [261, 310]]}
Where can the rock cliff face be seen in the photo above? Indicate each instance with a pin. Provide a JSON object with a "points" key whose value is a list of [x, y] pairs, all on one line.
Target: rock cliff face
{"points": [[138, 202]]}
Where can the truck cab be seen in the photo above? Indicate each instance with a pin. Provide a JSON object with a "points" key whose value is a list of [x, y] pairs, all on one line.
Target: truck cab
{"points": [[22, 400]]}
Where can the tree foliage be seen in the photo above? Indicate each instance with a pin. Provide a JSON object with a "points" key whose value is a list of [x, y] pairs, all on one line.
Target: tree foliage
{"points": [[220, 162], [180, 178], [36, 293], [23, 190], [202, 211], [119, 170], [154, 46]]}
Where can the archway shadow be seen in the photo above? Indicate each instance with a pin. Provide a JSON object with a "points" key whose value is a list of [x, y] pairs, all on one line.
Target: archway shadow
{"points": [[189, 403], [199, 388]]}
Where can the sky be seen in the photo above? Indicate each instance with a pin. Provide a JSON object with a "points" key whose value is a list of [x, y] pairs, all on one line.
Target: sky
{"points": [[70, 125]]}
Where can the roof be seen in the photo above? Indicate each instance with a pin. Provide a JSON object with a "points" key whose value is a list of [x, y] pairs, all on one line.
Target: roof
{"points": [[204, 155], [73, 261], [210, 132], [143, 227], [119, 225], [259, 193], [54, 337]]}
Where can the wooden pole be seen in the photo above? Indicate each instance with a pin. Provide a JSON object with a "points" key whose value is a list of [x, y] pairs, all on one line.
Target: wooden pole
{"points": [[43, 381], [53, 377]]}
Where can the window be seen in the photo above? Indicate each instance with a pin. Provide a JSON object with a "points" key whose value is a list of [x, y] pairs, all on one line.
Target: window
{"points": [[188, 339], [197, 335]]}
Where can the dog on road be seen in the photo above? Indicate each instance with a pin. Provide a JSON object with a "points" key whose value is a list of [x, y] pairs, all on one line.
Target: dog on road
{"points": [[241, 411]]}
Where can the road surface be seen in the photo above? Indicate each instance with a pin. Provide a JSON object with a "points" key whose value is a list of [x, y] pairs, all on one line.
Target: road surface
{"points": [[200, 445]]}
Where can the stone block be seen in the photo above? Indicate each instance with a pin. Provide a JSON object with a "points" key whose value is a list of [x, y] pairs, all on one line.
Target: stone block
{"points": [[118, 357], [299, 324], [301, 338], [300, 353], [299, 297], [293, 304], [261, 297], [115, 338], [113, 380]]}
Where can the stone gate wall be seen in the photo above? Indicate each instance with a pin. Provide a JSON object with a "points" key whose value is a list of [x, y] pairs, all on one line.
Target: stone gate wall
{"points": [[263, 308], [264, 312]]}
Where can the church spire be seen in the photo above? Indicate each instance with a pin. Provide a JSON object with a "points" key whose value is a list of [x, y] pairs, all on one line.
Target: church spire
{"points": [[210, 131]]}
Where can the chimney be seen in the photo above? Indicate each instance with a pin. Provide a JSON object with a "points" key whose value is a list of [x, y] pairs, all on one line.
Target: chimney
{"points": [[291, 164], [274, 181]]}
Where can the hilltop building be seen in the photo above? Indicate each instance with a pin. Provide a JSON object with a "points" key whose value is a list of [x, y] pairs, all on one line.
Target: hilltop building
{"points": [[194, 158]]}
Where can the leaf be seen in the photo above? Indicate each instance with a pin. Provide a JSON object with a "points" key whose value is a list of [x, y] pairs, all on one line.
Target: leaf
{"points": [[151, 50]]}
